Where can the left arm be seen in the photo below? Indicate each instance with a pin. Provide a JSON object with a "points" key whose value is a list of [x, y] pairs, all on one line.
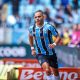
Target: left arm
{"points": [[57, 39], [55, 43], [54, 33]]}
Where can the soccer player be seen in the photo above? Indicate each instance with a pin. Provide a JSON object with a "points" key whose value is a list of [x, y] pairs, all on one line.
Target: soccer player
{"points": [[41, 34]]}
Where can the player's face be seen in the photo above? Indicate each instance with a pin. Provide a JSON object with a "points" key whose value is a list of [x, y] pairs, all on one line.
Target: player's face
{"points": [[38, 17]]}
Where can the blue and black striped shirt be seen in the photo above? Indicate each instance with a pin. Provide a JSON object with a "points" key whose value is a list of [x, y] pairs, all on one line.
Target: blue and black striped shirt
{"points": [[43, 37]]}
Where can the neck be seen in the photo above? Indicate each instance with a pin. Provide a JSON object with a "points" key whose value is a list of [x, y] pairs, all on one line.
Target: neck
{"points": [[40, 24]]}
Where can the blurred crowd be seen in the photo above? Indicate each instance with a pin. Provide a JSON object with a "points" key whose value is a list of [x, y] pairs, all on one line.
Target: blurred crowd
{"points": [[64, 14], [71, 36]]}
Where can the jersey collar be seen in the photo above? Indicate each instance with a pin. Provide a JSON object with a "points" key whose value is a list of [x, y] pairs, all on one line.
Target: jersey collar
{"points": [[42, 26]]}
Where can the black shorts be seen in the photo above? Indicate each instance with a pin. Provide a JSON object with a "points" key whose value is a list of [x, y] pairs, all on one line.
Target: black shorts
{"points": [[50, 59]]}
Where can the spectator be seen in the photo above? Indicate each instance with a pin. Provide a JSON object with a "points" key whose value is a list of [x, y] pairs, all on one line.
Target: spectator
{"points": [[65, 36], [75, 4], [64, 3], [78, 35], [15, 6], [75, 37], [75, 16], [53, 2], [46, 15]]}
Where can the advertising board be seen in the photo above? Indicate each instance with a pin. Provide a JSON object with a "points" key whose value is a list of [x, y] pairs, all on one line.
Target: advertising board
{"points": [[39, 74]]}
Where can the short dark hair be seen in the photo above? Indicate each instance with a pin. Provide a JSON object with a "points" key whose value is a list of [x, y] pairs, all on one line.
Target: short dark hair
{"points": [[39, 11]]}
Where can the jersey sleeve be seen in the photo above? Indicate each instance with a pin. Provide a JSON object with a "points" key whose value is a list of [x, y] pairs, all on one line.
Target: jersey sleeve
{"points": [[31, 30], [53, 30]]}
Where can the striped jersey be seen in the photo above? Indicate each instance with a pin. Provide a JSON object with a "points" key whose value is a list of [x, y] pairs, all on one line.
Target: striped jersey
{"points": [[43, 37]]}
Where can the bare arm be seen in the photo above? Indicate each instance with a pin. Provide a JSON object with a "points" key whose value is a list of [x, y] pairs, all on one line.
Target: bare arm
{"points": [[32, 45], [57, 39], [54, 33], [55, 43], [31, 40]]}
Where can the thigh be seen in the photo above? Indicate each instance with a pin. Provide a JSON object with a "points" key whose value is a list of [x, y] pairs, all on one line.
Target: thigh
{"points": [[42, 59], [44, 63], [53, 61]]}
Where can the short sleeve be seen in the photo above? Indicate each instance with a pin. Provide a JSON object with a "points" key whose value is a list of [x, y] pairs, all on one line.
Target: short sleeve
{"points": [[31, 30], [53, 30]]}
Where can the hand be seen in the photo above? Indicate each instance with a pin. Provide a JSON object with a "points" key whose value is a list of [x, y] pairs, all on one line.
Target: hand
{"points": [[51, 46], [33, 52]]}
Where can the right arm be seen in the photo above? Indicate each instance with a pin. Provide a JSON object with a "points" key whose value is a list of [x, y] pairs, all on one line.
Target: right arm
{"points": [[31, 40], [32, 44]]}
